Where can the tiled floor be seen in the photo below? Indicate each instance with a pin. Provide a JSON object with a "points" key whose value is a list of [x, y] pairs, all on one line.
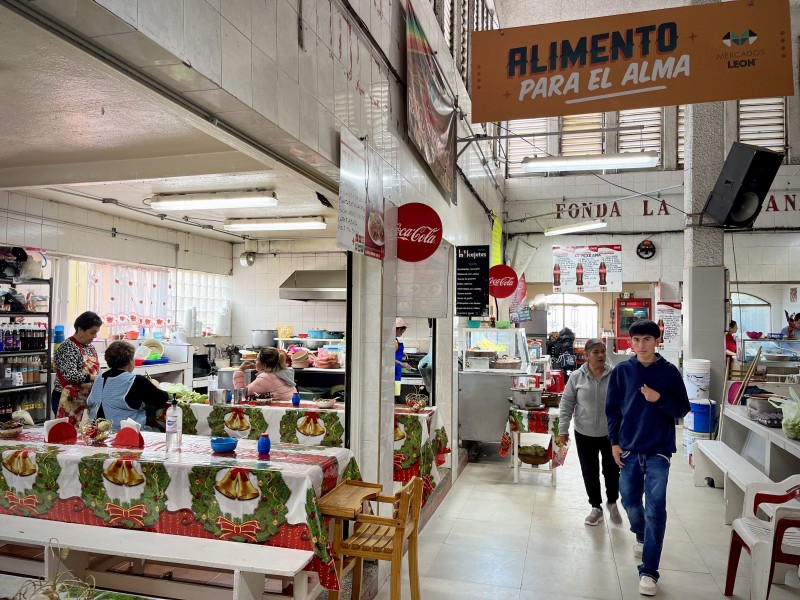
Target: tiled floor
{"points": [[494, 540]]}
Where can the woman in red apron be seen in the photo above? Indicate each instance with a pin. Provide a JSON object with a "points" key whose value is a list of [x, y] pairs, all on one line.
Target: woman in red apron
{"points": [[77, 367]]}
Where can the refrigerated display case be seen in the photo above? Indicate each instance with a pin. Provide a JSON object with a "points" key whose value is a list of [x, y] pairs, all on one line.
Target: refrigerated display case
{"points": [[628, 310]]}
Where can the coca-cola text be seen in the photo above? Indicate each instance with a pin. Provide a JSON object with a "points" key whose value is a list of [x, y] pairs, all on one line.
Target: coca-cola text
{"points": [[423, 234]]}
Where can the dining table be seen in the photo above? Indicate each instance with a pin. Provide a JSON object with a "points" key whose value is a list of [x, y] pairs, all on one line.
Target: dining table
{"points": [[240, 496], [420, 439]]}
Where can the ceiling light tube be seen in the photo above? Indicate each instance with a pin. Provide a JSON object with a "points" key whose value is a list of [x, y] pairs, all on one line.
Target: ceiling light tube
{"points": [[296, 224], [590, 162], [213, 201], [575, 227]]}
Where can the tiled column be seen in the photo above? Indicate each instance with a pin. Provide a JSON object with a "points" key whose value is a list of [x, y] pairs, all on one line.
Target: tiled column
{"points": [[704, 271]]}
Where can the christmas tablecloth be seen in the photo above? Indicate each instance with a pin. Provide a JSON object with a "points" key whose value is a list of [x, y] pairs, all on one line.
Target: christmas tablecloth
{"points": [[420, 438], [540, 420], [196, 493]]}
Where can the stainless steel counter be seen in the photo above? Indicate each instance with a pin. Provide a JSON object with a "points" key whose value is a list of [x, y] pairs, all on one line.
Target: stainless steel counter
{"points": [[483, 404]]}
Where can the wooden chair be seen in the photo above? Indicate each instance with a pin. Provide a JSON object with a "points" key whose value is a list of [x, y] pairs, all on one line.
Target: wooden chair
{"points": [[382, 538], [769, 543]]}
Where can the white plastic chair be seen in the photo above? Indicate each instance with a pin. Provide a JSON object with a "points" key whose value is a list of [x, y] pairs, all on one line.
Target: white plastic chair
{"points": [[774, 546]]}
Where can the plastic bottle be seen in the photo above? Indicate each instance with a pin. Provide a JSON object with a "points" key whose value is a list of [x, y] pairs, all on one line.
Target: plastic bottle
{"points": [[295, 399], [264, 444], [174, 427]]}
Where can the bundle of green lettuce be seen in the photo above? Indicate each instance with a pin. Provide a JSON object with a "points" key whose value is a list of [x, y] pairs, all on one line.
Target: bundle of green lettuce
{"points": [[183, 393]]}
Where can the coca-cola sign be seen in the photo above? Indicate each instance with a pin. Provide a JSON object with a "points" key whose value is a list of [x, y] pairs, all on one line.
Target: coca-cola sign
{"points": [[502, 281], [419, 232]]}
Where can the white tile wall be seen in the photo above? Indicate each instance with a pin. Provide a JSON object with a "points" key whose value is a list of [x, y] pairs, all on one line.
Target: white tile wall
{"points": [[256, 305], [62, 235]]}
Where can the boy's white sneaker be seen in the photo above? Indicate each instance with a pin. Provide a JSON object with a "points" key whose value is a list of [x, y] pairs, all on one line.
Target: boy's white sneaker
{"points": [[647, 586]]}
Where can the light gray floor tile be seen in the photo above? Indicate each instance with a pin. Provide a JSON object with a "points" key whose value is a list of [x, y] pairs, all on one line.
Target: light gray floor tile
{"points": [[479, 564]]}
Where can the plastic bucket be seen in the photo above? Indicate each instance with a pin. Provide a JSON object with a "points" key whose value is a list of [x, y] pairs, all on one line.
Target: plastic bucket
{"points": [[697, 377], [689, 438], [701, 418]]}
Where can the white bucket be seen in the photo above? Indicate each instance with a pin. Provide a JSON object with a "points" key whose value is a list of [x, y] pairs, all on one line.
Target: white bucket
{"points": [[697, 377], [689, 438]]}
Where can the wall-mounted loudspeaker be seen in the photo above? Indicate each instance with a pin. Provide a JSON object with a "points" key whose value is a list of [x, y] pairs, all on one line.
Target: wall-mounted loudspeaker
{"points": [[742, 186]]}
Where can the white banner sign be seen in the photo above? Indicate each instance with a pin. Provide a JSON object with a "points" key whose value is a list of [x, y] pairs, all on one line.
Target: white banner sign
{"points": [[423, 287], [668, 315], [352, 222], [587, 268]]}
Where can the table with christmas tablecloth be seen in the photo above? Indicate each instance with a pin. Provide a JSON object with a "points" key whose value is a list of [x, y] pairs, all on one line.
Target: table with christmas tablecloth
{"points": [[420, 442], [238, 496], [538, 420]]}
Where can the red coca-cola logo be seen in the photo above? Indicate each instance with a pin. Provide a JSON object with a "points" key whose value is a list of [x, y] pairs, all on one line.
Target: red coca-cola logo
{"points": [[419, 232], [502, 281]]}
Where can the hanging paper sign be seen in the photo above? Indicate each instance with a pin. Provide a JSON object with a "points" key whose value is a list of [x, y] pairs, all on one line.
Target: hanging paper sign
{"points": [[352, 214], [375, 237], [587, 268], [419, 232], [668, 315], [472, 281], [519, 310], [502, 281]]}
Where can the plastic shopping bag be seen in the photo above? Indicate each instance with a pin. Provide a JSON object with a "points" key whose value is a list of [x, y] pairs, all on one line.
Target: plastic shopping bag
{"points": [[560, 454]]}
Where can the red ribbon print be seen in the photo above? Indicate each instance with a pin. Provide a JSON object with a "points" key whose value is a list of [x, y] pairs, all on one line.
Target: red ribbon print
{"points": [[238, 411], [312, 417], [134, 513], [30, 501], [247, 530]]}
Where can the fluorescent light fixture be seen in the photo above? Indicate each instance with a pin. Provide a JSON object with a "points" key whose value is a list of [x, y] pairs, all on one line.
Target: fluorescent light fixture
{"points": [[213, 200], [575, 227], [295, 224], [590, 162]]}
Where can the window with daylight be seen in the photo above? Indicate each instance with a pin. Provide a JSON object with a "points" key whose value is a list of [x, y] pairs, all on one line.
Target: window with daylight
{"points": [[580, 134], [681, 132], [762, 122], [125, 296], [573, 311], [534, 144], [205, 292], [647, 136], [751, 313]]}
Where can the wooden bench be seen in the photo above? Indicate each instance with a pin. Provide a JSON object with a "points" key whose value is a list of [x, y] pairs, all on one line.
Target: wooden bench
{"points": [[250, 563], [715, 459]]}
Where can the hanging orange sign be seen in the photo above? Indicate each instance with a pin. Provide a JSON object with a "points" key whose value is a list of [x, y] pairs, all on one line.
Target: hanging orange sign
{"points": [[705, 53]]}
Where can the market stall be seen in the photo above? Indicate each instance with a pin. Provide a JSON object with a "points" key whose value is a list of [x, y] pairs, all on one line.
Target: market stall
{"points": [[238, 496]]}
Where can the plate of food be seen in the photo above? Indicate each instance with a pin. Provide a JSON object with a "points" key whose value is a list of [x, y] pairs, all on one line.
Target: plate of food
{"points": [[375, 228]]}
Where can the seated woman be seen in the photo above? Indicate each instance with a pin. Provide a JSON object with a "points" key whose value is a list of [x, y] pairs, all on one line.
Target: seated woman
{"points": [[274, 376], [118, 394]]}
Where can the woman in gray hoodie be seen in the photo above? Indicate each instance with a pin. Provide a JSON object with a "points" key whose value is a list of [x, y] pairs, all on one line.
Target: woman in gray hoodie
{"points": [[585, 396]]}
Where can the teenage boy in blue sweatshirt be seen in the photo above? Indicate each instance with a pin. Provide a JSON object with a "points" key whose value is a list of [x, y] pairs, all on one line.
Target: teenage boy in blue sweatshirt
{"points": [[645, 396]]}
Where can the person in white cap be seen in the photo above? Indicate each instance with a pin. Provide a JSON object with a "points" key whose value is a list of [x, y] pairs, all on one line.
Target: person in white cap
{"points": [[399, 356]]}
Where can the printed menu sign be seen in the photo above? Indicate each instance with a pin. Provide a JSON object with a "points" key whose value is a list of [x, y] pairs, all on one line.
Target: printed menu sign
{"points": [[587, 268], [472, 281], [375, 232], [668, 315], [352, 218]]}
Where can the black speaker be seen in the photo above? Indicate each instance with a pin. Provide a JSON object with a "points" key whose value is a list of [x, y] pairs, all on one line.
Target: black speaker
{"points": [[744, 182]]}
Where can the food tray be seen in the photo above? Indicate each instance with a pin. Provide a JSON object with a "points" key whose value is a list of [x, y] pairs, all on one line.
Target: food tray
{"points": [[777, 357], [156, 361], [515, 364], [482, 353]]}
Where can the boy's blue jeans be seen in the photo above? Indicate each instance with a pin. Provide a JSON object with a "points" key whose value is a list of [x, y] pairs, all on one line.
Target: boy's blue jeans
{"points": [[646, 476]]}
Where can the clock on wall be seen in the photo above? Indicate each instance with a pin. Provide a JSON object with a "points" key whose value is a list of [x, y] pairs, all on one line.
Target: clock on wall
{"points": [[646, 249]]}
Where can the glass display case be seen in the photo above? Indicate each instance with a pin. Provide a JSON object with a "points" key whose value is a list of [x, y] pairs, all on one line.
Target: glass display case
{"points": [[772, 351], [488, 349]]}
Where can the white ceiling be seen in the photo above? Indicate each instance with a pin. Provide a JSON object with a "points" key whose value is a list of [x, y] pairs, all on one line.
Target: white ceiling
{"points": [[74, 131]]}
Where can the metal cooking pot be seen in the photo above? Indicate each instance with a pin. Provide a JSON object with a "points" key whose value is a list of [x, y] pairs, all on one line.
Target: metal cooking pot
{"points": [[216, 397], [260, 338], [225, 377]]}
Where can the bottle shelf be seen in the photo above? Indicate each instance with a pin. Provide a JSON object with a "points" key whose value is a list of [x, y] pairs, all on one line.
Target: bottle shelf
{"points": [[19, 388], [23, 353]]}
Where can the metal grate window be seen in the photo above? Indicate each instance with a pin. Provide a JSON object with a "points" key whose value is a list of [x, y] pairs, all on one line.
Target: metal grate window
{"points": [[518, 148], [644, 139], [446, 9], [762, 122], [463, 37], [574, 138], [681, 132]]}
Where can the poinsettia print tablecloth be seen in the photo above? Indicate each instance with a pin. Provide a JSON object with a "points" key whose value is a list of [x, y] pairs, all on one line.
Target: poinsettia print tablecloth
{"points": [[237, 496], [420, 446], [306, 424], [541, 420]]}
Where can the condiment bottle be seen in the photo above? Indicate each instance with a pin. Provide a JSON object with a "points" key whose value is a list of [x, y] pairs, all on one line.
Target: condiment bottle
{"points": [[264, 444]]}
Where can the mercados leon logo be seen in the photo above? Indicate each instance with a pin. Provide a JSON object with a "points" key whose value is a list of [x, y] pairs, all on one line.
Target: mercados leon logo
{"points": [[748, 36]]}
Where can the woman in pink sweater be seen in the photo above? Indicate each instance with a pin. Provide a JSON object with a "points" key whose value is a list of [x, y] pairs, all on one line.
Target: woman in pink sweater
{"points": [[274, 376]]}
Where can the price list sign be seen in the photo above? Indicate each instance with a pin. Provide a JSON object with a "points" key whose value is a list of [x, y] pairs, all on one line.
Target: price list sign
{"points": [[352, 221], [670, 322], [472, 281], [587, 268]]}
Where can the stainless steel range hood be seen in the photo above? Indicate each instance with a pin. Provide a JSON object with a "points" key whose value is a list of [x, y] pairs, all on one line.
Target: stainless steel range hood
{"points": [[315, 285]]}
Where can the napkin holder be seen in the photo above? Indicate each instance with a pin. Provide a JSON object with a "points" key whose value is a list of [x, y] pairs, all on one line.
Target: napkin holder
{"points": [[60, 431], [128, 437]]}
